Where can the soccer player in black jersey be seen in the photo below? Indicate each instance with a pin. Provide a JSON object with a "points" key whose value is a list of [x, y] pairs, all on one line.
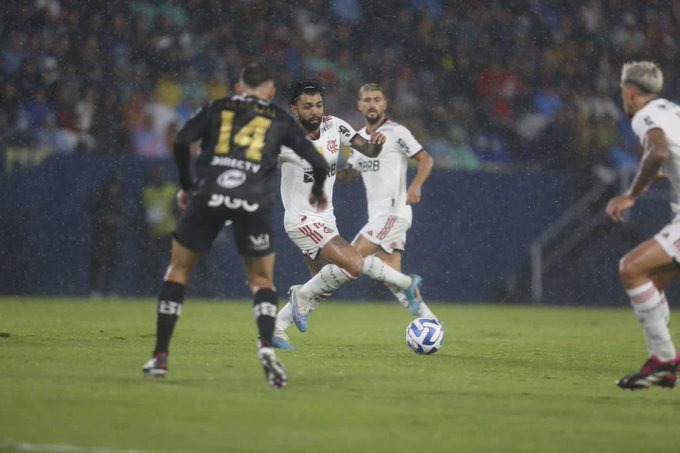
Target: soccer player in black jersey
{"points": [[241, 137]]}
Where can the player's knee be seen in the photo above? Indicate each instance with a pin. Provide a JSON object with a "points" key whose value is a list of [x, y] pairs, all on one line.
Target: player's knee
{"points": [[355, 266], [260, 282], [629, 270], [179, 270], [363, 246], [176, 275]]}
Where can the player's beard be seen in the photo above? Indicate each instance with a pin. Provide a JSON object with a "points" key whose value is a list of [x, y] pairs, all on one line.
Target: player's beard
{"points": [[372, 120], [311, 125]]}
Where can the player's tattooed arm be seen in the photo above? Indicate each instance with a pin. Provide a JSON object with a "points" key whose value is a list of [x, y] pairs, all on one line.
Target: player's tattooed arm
{"points": [[655, 154], [371, 147]]}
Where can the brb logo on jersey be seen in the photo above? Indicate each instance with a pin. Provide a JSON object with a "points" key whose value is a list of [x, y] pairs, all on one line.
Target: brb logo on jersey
{"points": [[369, 165], [332, 146]]}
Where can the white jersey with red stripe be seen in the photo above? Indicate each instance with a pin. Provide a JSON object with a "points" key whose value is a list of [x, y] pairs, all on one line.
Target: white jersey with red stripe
{"points": [[665, 115], [297, 176], [385, 176]]}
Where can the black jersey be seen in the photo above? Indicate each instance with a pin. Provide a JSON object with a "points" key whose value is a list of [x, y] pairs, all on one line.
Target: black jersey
{"points": [[241, 138]]}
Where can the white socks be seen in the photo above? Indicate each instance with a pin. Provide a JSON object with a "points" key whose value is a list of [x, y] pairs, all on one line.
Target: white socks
{"points": [[399, 294], [665, 309], [331, 277], [652, 311], [326, 281], [376, 268], [423, 312], [284, 318]]}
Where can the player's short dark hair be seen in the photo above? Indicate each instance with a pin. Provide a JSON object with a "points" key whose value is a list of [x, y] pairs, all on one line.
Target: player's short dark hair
{"points": [[306, 86], [370, 87], [255, 74]]}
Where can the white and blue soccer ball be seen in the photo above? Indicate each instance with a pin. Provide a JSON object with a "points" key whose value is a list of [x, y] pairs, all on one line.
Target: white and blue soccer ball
{"points": [[424, 336]]}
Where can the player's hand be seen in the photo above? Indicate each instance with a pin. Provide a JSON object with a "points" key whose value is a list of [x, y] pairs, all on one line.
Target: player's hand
{"points": [[347, 174], [319, 202], [182, 198], [377, 138], [413, 195], [617, 205]]}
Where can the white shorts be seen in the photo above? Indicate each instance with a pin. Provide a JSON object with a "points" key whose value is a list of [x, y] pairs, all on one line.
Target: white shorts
{"points": [[310, 238], [387, 232], [669, 239]]}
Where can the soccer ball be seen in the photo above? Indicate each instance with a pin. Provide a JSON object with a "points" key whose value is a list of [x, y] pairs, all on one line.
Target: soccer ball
{"points": [[424, 336]]}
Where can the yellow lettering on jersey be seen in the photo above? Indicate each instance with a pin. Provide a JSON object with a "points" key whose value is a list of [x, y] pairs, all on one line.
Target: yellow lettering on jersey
{"points": [[251, 136], [225, 132]]}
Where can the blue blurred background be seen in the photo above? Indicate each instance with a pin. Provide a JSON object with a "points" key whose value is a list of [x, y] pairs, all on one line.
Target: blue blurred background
{"points": [[517, 101]]}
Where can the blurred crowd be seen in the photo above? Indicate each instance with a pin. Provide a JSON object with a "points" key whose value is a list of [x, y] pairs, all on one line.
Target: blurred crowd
{"points": [[481, 83]]}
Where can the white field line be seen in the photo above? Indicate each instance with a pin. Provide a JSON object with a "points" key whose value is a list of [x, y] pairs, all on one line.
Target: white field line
{"points": [[25, 446]]}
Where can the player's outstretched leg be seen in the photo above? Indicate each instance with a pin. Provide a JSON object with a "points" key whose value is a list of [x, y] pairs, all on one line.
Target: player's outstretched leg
{"points": [[301, 307], [284, 318], [653, 372], [273, 369], [157, 366], [423, 310], [376, 268], [412, 294], [280, 340]]}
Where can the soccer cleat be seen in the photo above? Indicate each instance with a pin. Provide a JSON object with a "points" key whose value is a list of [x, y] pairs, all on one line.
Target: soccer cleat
{"points": [[273, 370], [299, 318], [653, 372], [280, 341], [157, 366], [412, 294]]}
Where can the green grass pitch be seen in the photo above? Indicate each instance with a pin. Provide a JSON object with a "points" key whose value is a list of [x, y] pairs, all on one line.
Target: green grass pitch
{"points": [[508, 379]]}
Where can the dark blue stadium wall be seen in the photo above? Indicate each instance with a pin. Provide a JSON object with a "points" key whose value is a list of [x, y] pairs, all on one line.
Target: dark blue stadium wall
{"points": [[470, 238]]}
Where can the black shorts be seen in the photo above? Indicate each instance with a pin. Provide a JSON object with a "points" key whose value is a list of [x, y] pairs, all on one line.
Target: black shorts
{"points": [[205, 216]]}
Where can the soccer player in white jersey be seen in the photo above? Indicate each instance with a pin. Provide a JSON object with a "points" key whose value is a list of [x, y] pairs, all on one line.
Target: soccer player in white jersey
{"points": [[331, 260], [651, 266], [388, 197]]}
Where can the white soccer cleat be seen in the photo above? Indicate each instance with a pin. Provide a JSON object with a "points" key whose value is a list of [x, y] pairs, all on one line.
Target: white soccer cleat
{"points": [[273, 369], [157, 366]]}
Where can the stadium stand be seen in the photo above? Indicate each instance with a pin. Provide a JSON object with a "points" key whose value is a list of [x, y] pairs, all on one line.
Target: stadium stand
{"points": [[488, 86]]}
